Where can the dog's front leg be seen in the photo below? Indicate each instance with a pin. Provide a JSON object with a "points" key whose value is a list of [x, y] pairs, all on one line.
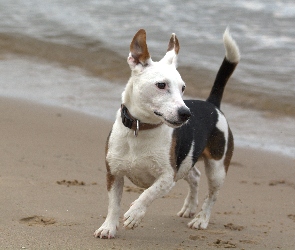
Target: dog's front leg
{"points": [[136, 212], [109, 227]]}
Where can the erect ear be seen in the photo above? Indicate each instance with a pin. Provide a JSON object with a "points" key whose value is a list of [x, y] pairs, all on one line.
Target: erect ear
{"points": [[139, 54], [172, 51]]}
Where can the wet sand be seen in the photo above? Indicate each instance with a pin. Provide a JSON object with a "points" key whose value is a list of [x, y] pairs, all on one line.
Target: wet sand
{"points": [[53, 191]]}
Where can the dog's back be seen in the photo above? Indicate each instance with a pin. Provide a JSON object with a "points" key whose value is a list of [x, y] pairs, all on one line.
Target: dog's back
{"points": [[201, 130]]}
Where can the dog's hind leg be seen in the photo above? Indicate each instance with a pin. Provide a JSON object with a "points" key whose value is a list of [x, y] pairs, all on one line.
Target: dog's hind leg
{"points": [[215, 171], [109, 227], [191, 201]]}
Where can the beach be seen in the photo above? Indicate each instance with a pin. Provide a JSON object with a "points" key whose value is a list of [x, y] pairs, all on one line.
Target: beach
{"points": [[62, 71], [53, 191]]}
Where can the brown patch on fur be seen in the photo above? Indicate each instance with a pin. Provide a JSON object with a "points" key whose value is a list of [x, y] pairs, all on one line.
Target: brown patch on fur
{"points": [[110, 177], [138, 47], [173, 44], [206, 153], [229, 151], [215, 145]]}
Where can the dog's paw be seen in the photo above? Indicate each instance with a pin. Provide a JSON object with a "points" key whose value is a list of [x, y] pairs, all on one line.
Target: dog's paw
{"points": [[106, 231], [199, 222], [189, 207], [187, 211], [133, 216]]}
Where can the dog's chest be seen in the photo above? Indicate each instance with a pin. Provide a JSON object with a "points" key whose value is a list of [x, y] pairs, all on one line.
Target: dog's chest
{"points": [[142, 159]]}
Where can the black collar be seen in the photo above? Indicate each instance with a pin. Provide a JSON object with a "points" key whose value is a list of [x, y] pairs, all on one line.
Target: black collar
{"points": [[130, 122]]}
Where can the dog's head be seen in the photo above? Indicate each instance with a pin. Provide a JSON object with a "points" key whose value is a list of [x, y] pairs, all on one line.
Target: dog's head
{"points": [[155, 89]]}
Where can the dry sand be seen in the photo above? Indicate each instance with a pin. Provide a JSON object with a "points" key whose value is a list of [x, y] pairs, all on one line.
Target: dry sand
{"points": [[53, 191]]}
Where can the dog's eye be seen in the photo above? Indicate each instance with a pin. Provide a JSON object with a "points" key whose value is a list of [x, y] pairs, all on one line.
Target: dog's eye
{"points": [[183, 88], [161, 85]]}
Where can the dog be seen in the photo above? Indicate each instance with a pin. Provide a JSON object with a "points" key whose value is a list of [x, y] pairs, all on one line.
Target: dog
{"points": [[158, 137]]}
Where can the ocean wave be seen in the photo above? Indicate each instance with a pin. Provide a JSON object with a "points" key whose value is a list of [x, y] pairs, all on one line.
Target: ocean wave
{"points": [[263, 30], [71, 87], [98, 60]]}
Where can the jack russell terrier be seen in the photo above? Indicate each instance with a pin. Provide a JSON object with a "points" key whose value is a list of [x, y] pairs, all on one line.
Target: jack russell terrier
{"points": [[158, 137]]}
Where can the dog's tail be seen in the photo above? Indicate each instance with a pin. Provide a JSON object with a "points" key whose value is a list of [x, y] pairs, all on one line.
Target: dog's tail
{"points": [[232, 58]]}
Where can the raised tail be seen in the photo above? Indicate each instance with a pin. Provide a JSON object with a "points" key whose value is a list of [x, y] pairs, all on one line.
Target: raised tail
{"points": [[232, 58]]}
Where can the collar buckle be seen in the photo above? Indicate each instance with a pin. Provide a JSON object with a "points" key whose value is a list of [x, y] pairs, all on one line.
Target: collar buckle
{"points": [[137, 128]]}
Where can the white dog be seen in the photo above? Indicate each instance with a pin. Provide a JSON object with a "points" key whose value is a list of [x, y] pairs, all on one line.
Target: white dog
{"points": [[157, 137]]}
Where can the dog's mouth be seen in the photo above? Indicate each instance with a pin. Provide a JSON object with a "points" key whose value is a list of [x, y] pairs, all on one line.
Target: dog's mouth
{"points": [[174, 124]]}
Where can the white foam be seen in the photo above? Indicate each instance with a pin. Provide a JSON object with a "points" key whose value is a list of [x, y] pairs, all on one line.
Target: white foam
{"points": [[49, 84], [255, 129]]}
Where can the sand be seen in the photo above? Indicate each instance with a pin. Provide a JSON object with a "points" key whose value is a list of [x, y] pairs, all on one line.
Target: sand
{"points": [[53, 191]]}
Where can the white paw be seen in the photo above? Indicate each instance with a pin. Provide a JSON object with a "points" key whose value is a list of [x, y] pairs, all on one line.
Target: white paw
{"points": [[199, 222], [134, 215], [106, 231], [187, 211]]}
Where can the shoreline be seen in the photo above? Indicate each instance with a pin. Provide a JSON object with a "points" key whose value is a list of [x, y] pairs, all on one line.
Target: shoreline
{"points": [[63, 84], [99, 61], [44, 147]]}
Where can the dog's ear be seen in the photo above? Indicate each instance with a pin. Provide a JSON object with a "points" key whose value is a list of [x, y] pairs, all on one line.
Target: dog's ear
{"points": [[172, 51], [139, 54]]}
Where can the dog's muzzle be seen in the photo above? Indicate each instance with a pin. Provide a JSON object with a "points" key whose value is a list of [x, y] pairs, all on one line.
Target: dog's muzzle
{"points": [[184, 114]]}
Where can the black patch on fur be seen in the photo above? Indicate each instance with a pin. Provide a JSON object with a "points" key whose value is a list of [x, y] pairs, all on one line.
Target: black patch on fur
{"points": [[225, 71], [198, 129], [216, 144]]}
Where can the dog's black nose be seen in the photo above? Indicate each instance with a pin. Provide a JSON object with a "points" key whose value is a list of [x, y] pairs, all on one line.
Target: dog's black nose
{"points": [[184, 114]]}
